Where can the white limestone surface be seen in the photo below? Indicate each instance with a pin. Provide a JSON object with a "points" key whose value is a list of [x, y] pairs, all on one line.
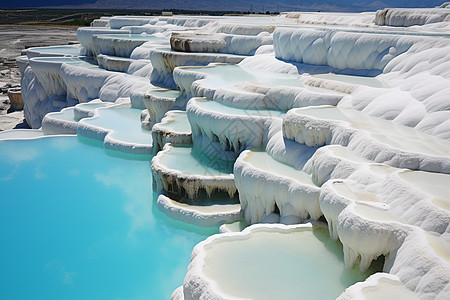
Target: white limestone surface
{"points": [[119, 128], [268, 262], [285, 150], [372, 138], [52, 51], [165, 60], [379, 286], [411, 16], [86, 110], [85, 37], [14, 134], [198, 214], [339, 49], [180, 167], [62, 122], [122, 45], [159, 101], [265, 184], [219, 42], [174, 128], [245, 87], [113, 63], [403, 120], [333, 161], [234, 128]]}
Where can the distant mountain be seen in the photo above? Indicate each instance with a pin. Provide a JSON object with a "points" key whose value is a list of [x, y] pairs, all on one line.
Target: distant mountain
{"points": [[228, 5], [264, 5]]}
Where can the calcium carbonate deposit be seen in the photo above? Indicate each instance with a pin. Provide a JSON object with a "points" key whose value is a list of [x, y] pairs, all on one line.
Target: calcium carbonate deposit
{"points": [[328, 134]]}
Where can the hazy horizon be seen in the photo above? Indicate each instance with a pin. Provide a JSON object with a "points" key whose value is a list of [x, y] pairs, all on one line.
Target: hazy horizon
{"points": [[231, 5]]}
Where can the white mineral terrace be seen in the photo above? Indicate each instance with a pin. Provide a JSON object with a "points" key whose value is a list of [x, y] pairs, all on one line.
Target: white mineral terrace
{"points": [[224, 265], [396, 145], [200, 213], [181, 167], [71, 50], [62, 122], [86, 110], [122, 45], [244, 87], [119, 128], [66, 121], [21, 134], [159, 101], [233, 127], [299, 118], [290, 190], [174, 128]]}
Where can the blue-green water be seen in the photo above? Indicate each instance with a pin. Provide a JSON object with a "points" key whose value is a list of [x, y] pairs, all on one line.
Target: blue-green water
{"points": [[79, 224]]}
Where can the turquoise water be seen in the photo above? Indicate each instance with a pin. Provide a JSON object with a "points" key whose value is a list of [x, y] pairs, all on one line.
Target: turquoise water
{"points": [[217, 107], [124, 121], [79, 224], [137, 37], [83, 62], [229, 75], [302, 263], [59, 50]]}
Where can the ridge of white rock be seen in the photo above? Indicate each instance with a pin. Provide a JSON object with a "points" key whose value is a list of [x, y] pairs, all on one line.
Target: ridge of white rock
{"points": [[165, 60], [86, 110], [113, 63], [339, 49], [160, 101], [123, 45], [412, 16], [190, 176], [209, 277], [243, 87], [369, 228], [62, 122], [372, 138], [85, 37], [119, 128], [219, 42], [174, 128], [265, 184], [213, 119], [198, 214]]}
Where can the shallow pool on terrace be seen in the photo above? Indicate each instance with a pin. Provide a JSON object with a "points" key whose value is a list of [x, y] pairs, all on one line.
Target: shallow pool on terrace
{"points": [[72, 50], [137, 37], [84, 62], [303, 263], [79, 224], [225, 75]]}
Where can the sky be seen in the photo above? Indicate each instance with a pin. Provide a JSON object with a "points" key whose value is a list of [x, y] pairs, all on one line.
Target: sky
{"points": [[239, 5]]}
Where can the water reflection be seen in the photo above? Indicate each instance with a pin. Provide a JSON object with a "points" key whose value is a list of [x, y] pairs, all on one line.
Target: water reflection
{"points": [[75, 221]]}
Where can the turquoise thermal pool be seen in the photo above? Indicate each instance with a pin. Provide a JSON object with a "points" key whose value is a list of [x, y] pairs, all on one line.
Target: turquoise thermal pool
{"points": [[176, 122], [217, 107], [265, 162], [302, 263], [58, 50], [166, 93], [359, 80], [135, 37], [122, 121], [398, 136], [193, 162], [64, 115], [76, 61], [228, 75], [79, 224]]}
